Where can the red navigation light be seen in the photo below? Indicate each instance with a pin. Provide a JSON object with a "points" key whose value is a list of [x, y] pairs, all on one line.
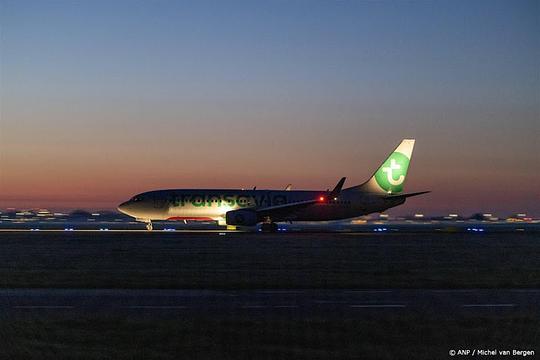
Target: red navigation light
{"points": [[321, 198]]}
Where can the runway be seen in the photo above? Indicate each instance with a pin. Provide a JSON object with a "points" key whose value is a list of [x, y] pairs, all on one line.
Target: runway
{"points": [[117, 294], [297, 227], [244, 261], [325, 303]]}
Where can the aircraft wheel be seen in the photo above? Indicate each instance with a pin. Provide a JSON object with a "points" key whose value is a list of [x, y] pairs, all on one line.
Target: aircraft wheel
{"points": [[269, 227]]}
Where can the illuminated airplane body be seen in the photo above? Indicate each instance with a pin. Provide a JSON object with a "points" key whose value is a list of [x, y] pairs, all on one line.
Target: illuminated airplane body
{"points": [[250, 207]]}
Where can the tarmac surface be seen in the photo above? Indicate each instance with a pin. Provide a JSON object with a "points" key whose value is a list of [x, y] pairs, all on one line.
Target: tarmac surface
{"points": [[398, 293], [289, 302]]}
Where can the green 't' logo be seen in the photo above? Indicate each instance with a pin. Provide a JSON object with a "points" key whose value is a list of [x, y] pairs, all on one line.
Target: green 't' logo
{"points": [[391, 174]]}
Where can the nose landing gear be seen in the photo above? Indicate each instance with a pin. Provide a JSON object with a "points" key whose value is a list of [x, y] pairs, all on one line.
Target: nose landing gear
{"points": [[149, 226]]}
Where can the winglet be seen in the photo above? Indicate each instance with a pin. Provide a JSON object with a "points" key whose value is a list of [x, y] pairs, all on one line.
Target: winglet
{"points": [[338, 187]]}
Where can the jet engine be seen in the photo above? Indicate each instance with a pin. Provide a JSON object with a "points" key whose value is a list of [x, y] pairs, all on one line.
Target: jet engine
{"points": [[241, 217]]}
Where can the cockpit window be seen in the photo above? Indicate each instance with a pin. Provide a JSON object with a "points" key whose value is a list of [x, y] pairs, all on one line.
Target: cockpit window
{"points": [[136, 198]]}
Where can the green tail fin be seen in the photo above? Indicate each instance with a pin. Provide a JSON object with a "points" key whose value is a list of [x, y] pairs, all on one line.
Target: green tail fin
{"points": [[390, 176]]}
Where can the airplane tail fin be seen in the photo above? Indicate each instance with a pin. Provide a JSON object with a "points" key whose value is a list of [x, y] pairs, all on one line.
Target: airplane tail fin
{"points": [[390, 176]]}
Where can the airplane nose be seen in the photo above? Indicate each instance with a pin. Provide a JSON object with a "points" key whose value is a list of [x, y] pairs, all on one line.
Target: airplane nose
{"points": [[123, 207]]}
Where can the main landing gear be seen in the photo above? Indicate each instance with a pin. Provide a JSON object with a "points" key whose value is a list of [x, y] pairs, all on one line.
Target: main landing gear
{"points": [[268, 226]]}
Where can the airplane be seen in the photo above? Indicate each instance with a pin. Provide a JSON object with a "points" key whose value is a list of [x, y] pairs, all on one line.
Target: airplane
{"points": [[248, 208]]}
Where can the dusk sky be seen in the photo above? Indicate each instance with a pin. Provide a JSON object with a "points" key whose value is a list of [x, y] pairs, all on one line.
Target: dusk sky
{"points": [[100, 100]]}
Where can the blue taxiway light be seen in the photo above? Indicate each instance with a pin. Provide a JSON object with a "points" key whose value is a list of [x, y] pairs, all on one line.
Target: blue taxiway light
{"points": [[475, 229]]}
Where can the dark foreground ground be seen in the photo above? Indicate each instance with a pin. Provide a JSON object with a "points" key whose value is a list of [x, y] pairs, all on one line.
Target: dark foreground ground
{"points": [[285, 296], [255, 261], [382, 336]]}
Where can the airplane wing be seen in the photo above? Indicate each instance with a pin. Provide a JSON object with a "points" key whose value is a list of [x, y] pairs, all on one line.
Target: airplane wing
{"points": [[287, 210], [268, 211], [291, 207]]}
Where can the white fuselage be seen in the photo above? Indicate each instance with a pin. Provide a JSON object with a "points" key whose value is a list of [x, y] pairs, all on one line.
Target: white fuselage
{"points": [[207, 205]]}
